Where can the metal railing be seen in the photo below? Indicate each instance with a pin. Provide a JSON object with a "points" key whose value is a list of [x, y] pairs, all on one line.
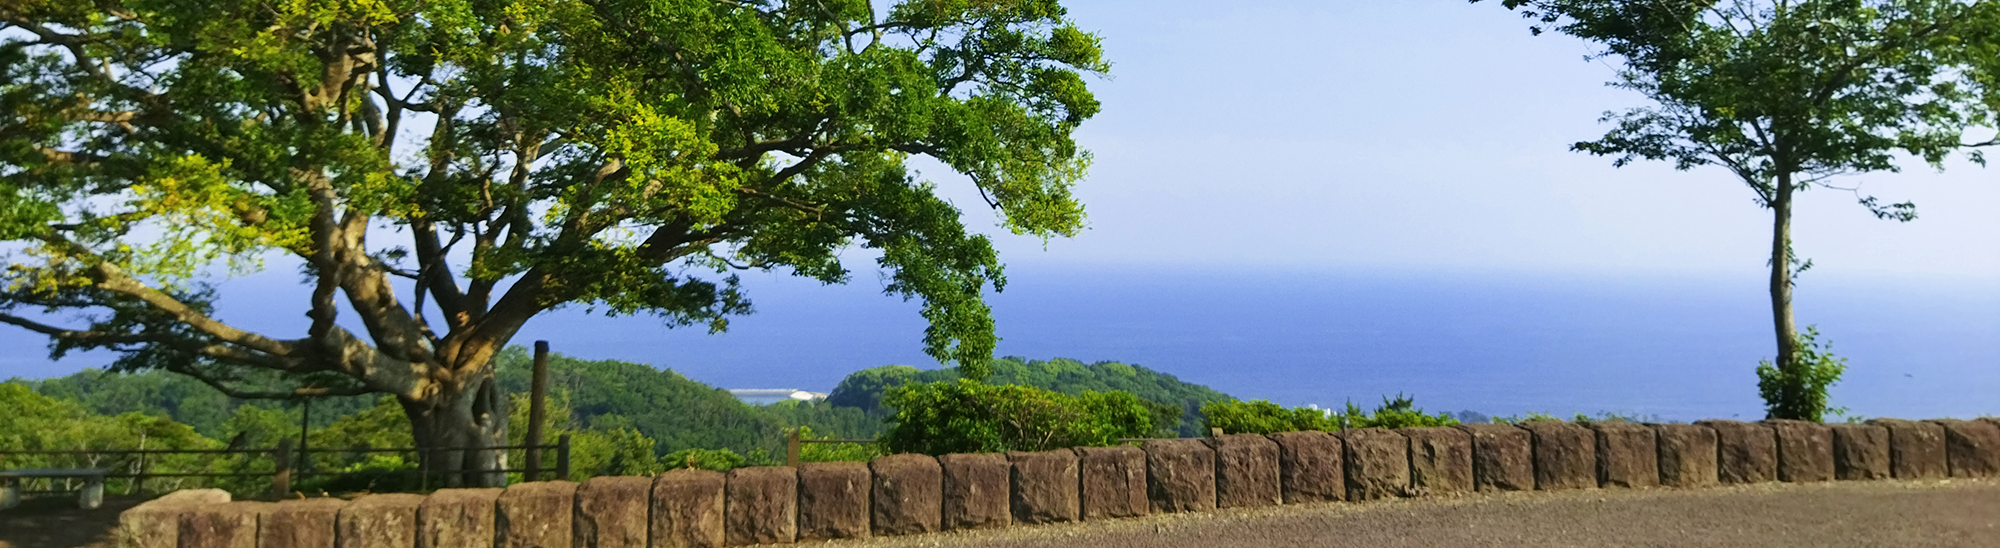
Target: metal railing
{"points": [[285, 469]]}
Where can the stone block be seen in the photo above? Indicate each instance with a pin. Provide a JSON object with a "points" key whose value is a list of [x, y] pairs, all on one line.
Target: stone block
{"points": [[228, 525], [1687, 455], [833, 500], [1503, 457], [1309, 467], [1916, 449], [1565, 455], [157, 523], [761, 505], [1044, 485], [380, 521], [975, 490], [687, 509], [1805, 450], [1378, 463], [1180, 475], [304, 523], [611, 512], [1971, 448], [1440, 460], [1860, 452], [537, 514], [458, 518], [1628, 454], [1113, 482], [1246, 471], [908, 494], [1745, 452]]}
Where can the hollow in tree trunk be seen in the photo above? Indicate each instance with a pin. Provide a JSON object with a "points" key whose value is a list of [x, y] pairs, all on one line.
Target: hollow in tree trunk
{"points": [[458, 426]]}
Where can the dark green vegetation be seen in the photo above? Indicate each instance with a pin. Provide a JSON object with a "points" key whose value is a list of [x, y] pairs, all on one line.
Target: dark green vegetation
{"points": [[1789, 96], [623, 155], [1171, 403], [1263, 417], [966, 416]]}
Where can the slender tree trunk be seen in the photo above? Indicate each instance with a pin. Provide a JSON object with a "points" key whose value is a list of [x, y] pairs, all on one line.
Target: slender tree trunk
{"points": [[1781, 274], [458, 425]]}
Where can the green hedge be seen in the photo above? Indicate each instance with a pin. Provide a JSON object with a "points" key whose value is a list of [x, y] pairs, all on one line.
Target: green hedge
{"points": [[1263, 417], [965, 416]]}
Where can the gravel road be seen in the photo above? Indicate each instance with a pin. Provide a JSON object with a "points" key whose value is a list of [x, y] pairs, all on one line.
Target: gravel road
{"points": [[1955, 513]]}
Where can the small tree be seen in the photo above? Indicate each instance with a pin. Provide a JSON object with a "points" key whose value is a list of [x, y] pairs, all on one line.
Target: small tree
{"points": [[497, 160], [1785, 95]]}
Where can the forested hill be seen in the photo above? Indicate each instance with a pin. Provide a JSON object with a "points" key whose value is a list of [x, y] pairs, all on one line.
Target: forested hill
{"points": [[609, 395], [863, 389]]}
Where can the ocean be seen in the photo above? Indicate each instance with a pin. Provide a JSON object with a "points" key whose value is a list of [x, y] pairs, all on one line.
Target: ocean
{"points": [[1672, 347]]}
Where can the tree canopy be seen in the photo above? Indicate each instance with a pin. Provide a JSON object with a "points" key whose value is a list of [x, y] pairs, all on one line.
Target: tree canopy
{"points": [[441, 171]]}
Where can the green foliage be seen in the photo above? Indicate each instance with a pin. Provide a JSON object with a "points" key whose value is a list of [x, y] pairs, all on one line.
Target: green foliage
{"points": [[1263, 417], [675, 412], [1800, 391], [1400, 412], [966, 416], [720, 460], [837, 452], [1174, 405]]}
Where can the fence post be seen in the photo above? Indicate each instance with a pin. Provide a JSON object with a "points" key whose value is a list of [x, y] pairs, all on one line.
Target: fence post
{"points": [[562, 457], [538, 391], [792, 448], [281, 482]]}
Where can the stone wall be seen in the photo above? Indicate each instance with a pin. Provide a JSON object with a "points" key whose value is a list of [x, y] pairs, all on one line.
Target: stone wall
{"points": [[916, 494]]}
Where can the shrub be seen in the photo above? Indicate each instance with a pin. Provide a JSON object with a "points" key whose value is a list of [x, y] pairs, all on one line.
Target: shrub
{"points": [[1799, 392], [720, 460], [966, 416], [1263, 417], [1401, 412]]}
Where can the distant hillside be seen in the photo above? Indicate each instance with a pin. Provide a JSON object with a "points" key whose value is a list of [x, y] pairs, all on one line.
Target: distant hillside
{"points": [[863, 389]]}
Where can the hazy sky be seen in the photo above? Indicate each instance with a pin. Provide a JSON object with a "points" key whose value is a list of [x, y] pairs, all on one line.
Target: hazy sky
{"points": [[1373, 136]]}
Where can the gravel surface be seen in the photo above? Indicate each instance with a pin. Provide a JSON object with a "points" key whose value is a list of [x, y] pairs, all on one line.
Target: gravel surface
{"points": [[1955, 513]]}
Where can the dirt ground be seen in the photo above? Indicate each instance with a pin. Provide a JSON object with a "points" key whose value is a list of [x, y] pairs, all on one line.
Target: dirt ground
{"points": [[55, 522]]}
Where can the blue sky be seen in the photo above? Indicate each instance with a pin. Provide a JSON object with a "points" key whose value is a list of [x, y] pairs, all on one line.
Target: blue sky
{"points": [[1422, 138]]}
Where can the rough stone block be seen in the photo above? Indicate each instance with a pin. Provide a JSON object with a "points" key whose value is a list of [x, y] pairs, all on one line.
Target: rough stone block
{"points": [[380, 521], [1687, 455], [611, 512], [535, 515], [1044, 485], [1805, 450], [457, 518], [230, 525], [833, 500], [1180, 475], [1246, 471], [1503, 457], [1860, 452], [1565, 455], [1114, 482], [1745, 452], [975, 490], [157, 523], [1378, 463], [908, 493], [1628, 454], [687, 509], [306, 523], [1309, 467], [1916, 449], [761, 505], [1971, 448], [1440, 460]]}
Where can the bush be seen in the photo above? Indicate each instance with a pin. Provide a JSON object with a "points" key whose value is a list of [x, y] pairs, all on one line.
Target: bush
{"points": [[1799, 392], [1401, 412], [970, 417], [1263, 417]]}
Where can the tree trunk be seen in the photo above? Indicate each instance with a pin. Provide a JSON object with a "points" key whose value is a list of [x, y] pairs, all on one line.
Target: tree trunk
{"points": [[1781, 275], [458, 426]]}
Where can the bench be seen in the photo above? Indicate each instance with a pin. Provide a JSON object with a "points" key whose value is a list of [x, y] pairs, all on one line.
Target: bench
{"points": [[89, 498]]}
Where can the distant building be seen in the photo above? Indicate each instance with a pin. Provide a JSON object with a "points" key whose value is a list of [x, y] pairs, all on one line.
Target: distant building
{"points": [[767, 396]]}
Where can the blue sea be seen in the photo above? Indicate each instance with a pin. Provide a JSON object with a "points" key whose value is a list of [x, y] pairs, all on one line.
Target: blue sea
{"points": [[1672, 347]]}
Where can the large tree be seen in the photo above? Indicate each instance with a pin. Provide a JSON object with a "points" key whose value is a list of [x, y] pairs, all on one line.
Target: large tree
{"points": [[504, 158], [1786, 95]]}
